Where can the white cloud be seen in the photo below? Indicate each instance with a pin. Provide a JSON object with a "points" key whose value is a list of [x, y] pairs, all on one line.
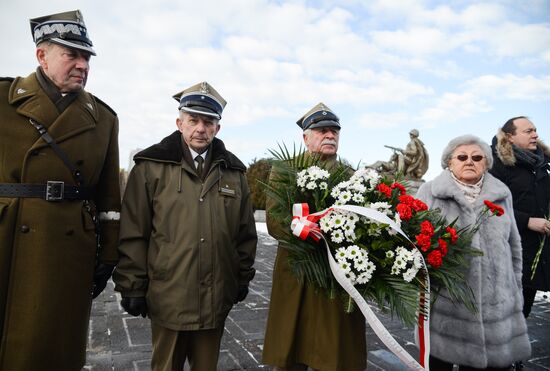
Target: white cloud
{"points": [[511, 87], [451, 107]]}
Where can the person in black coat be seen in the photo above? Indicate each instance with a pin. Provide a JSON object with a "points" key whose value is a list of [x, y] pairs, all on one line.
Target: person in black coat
{"points": [[522, 162]]}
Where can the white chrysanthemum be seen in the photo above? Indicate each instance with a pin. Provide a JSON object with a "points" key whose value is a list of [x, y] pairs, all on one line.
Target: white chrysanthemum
{"points": [[344, 197], [350, 235], [382, 207], [323, 185], [363, 278], [358, 198], [337, 236], [351, 276], [341, 254], [399, 262], [345, 266], [353, 218], [311, 185], [371, 267], [357, 187], [390, 254], [338, 220], [324, 224], [354, 251], [360, 264]]}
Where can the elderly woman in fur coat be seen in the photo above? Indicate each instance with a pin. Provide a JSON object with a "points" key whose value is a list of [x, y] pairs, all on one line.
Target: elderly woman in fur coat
{"points": [[495, 336], [522, 162]]}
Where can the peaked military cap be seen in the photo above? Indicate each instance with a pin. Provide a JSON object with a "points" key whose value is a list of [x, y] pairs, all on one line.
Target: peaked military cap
{"points": [[67, 29], [318, 117], [201, 98]]}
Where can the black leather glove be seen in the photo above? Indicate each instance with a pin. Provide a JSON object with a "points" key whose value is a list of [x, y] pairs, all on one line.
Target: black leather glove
{"points": [[102, 273], [135, 306], [243, 292]]}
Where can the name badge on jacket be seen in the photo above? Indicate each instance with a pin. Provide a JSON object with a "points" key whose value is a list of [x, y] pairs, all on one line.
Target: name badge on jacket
{"points": [[226, 190]]}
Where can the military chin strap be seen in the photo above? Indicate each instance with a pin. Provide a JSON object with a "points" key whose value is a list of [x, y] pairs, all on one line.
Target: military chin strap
{"points": [[52, 190]]}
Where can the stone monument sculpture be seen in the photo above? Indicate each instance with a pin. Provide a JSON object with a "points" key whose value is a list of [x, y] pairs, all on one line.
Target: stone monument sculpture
{"points": [[411, 162]]}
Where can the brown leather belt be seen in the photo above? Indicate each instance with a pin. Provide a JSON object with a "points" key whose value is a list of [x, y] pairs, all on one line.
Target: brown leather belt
{"points": [[51, 191]]}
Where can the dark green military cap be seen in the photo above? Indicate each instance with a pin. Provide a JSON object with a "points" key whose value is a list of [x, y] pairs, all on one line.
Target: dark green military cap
{"points": [[318, 117], [202, 99], [66, 29]]}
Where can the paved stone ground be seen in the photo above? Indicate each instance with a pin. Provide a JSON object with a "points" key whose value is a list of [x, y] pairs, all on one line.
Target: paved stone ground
{"points": [[118, 341]]}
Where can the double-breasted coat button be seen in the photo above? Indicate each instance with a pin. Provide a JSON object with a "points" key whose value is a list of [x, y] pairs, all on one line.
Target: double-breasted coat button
{"points": [[202, 239], [25, 229], [201, 199]]}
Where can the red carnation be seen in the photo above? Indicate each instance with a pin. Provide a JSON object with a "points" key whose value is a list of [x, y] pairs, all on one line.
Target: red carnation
{"points": [[419, 205], [400, 186], [382, 188], [427, 228], [494, 208], [407, 200], [454, 235], [435, 259], [423, 241], [442, 246], [405, 211]]}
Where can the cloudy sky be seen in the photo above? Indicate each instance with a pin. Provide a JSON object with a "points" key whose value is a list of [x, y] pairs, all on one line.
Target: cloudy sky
{"points": [[385, 67]]}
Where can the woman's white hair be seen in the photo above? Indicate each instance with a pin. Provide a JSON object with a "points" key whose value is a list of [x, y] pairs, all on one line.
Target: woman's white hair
{"points": [[466, 140]]}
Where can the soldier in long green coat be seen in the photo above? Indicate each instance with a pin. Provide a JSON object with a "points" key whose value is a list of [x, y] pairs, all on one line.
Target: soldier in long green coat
{"points": [[305, 327], [57, 201], [187, 236]]}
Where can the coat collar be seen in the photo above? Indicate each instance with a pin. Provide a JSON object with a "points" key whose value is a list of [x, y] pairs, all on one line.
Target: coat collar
{"points": [[32, 102], [492, 189], [505, 152], [170, 150]]}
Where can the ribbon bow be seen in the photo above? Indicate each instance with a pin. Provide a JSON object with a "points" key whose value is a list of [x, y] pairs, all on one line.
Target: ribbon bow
{"points": [[305, 224]]}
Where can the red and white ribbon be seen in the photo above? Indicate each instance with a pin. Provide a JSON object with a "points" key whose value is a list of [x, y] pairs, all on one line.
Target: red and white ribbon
{"points": [[305, 224]]}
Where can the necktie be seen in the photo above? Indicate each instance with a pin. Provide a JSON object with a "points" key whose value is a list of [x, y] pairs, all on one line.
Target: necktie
{"points": [[200, 161]]}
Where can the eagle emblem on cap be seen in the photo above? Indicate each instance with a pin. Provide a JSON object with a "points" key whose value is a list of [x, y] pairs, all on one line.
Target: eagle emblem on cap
{"points": [[204, 88]]}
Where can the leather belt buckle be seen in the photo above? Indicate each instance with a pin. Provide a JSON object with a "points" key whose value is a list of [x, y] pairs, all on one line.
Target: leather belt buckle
{"points": [[54, 190]]}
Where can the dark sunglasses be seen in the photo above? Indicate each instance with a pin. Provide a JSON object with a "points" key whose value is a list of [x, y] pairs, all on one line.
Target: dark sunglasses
{"points": [[475, 158]]}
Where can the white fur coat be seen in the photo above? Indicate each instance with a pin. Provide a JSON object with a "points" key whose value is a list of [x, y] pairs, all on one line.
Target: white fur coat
{"points": [[496, 336]]}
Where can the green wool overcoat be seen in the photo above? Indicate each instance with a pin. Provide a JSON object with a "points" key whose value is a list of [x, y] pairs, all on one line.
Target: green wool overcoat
{"points": [[48, 249], [304, 326], [186, 243]]}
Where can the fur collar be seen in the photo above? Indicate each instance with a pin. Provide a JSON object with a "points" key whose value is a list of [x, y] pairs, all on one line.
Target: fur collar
{"points": [[504, 151], [169, 150], [492, 189]]}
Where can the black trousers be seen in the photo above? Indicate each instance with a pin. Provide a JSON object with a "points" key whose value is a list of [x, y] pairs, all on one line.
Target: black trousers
{"points": [[528, 300], [437, 364]]}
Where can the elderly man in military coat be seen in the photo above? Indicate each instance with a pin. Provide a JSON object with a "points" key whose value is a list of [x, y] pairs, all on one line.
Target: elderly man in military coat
{"points": [[304, 327], [187, 237], [59, 201]]}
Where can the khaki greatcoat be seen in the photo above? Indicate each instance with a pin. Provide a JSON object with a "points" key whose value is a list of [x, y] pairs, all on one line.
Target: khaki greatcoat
{"points": [[186, 243], [304, 326], [48, 249]]}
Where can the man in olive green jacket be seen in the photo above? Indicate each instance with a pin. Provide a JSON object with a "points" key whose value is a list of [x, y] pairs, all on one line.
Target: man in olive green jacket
{"points": [[304, 327], [188, 236], [51, 200]]}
